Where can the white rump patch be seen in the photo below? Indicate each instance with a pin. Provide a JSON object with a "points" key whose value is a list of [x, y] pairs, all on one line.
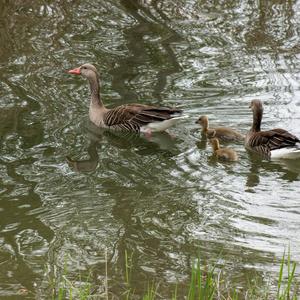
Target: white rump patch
{"points": [[162, 126], [287, 153]]}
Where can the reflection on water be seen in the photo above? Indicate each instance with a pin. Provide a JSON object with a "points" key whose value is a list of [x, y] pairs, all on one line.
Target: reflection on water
{"points": [[161, 142], [24, 237], [71, 193], [290, 169], [140, 40]]}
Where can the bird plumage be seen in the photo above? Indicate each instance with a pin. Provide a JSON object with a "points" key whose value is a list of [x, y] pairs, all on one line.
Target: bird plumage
{"points": [[222, 133], [223, 153], [129, 117], [266, 142]]}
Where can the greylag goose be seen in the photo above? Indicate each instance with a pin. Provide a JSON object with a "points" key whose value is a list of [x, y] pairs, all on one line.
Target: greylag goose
{"points": [[128, 117], [274, 143], [222, 133], [223, 153]]}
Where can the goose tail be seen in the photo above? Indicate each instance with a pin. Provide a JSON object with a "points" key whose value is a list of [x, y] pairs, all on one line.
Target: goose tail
{"points": [[286, 153], [163, 125]]}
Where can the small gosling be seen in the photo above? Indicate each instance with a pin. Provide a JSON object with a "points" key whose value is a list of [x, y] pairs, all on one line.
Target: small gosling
{"points": [[223, 133], [223, 153]]}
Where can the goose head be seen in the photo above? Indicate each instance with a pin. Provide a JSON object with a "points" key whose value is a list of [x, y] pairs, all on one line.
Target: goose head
{"points": [[86, 70], [256, 105], [89, 72], [203, 121]]}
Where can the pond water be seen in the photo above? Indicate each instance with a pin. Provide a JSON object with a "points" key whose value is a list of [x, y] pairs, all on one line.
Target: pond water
{"points": [[74, 198]]}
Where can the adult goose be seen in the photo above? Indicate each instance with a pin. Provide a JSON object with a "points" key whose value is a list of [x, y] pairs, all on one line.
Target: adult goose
{"points": [[274, 143], [128, 117], [222, 133], [223, 153]]}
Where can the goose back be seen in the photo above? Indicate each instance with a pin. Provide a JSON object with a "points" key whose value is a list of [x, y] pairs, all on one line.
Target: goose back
{"points": [[129, 117], [226, 154], [223, 153], [266, 141], [224, 134], [132, 117]]}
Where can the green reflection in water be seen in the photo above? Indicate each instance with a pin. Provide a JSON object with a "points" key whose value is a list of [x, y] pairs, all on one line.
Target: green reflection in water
{"points": [[164, 200]]}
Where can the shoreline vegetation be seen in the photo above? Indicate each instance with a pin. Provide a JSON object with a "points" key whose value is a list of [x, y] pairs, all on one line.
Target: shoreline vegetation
{"points": [[205, 283]]}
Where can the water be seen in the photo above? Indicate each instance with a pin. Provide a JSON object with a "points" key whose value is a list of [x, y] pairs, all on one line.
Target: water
{"points": [[164, 201]]}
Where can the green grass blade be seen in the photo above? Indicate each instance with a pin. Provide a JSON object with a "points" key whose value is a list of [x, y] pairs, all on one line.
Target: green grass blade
{"points": [[174, 297], [280, 275]]}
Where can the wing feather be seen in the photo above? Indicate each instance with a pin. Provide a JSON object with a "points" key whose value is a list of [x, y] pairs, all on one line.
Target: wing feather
{"points": [[134, 116], [272, 139]]}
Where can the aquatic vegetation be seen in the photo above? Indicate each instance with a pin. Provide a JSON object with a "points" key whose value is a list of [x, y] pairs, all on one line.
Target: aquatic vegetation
{"points": [[206, 282]]}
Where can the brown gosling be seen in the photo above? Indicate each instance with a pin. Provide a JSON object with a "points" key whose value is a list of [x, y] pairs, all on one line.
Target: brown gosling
{"points": [[223, 153], [222, 133]]}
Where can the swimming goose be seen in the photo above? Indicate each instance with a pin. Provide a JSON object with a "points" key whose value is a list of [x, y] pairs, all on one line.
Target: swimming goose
{"points": [[128, 117], [222, 133], [223, 153], [274, 143]]}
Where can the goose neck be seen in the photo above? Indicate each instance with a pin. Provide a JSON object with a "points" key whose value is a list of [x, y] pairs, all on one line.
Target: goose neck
{"points": [[215, 145], [257, 117], [95, 91], [205, 125]]}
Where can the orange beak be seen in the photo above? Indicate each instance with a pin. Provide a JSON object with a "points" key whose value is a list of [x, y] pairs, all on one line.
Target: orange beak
{"points": [[75, 71]]}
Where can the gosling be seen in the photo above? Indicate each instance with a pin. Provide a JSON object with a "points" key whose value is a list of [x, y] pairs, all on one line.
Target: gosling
{"points": [[223, 153], [224, 134]]}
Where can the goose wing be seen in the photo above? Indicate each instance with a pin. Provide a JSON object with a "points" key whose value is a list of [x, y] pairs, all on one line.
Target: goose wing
{"points": [[225, 134], [134, 116], [272, 139]]}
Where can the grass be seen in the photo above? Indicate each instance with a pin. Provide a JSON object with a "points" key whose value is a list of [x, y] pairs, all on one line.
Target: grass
{"points": [[202, 283], [206, 283], [285, 289], [128, 266], [151, 292]]}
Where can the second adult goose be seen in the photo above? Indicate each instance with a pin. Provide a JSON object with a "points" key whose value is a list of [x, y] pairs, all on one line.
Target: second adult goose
{"points": [[274, 143], [223, 133], [128, 117]]}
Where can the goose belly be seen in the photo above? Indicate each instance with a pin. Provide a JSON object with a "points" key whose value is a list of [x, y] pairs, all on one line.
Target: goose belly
{"points": [[161, 126], [286, 153]]}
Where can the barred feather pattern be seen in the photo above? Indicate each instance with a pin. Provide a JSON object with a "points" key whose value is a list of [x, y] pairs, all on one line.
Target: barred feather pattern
{"points": [[266, 141], [131, 117]]}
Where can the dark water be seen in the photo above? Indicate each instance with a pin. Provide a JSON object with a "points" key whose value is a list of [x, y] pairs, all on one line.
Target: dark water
{"points": [[164, 201]]}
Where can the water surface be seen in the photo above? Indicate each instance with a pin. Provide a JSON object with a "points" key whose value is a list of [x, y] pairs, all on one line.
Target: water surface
{"points": [[164, 201]]}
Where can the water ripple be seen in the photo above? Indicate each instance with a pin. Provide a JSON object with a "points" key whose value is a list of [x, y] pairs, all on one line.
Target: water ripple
{"points": [[162, 200]]}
